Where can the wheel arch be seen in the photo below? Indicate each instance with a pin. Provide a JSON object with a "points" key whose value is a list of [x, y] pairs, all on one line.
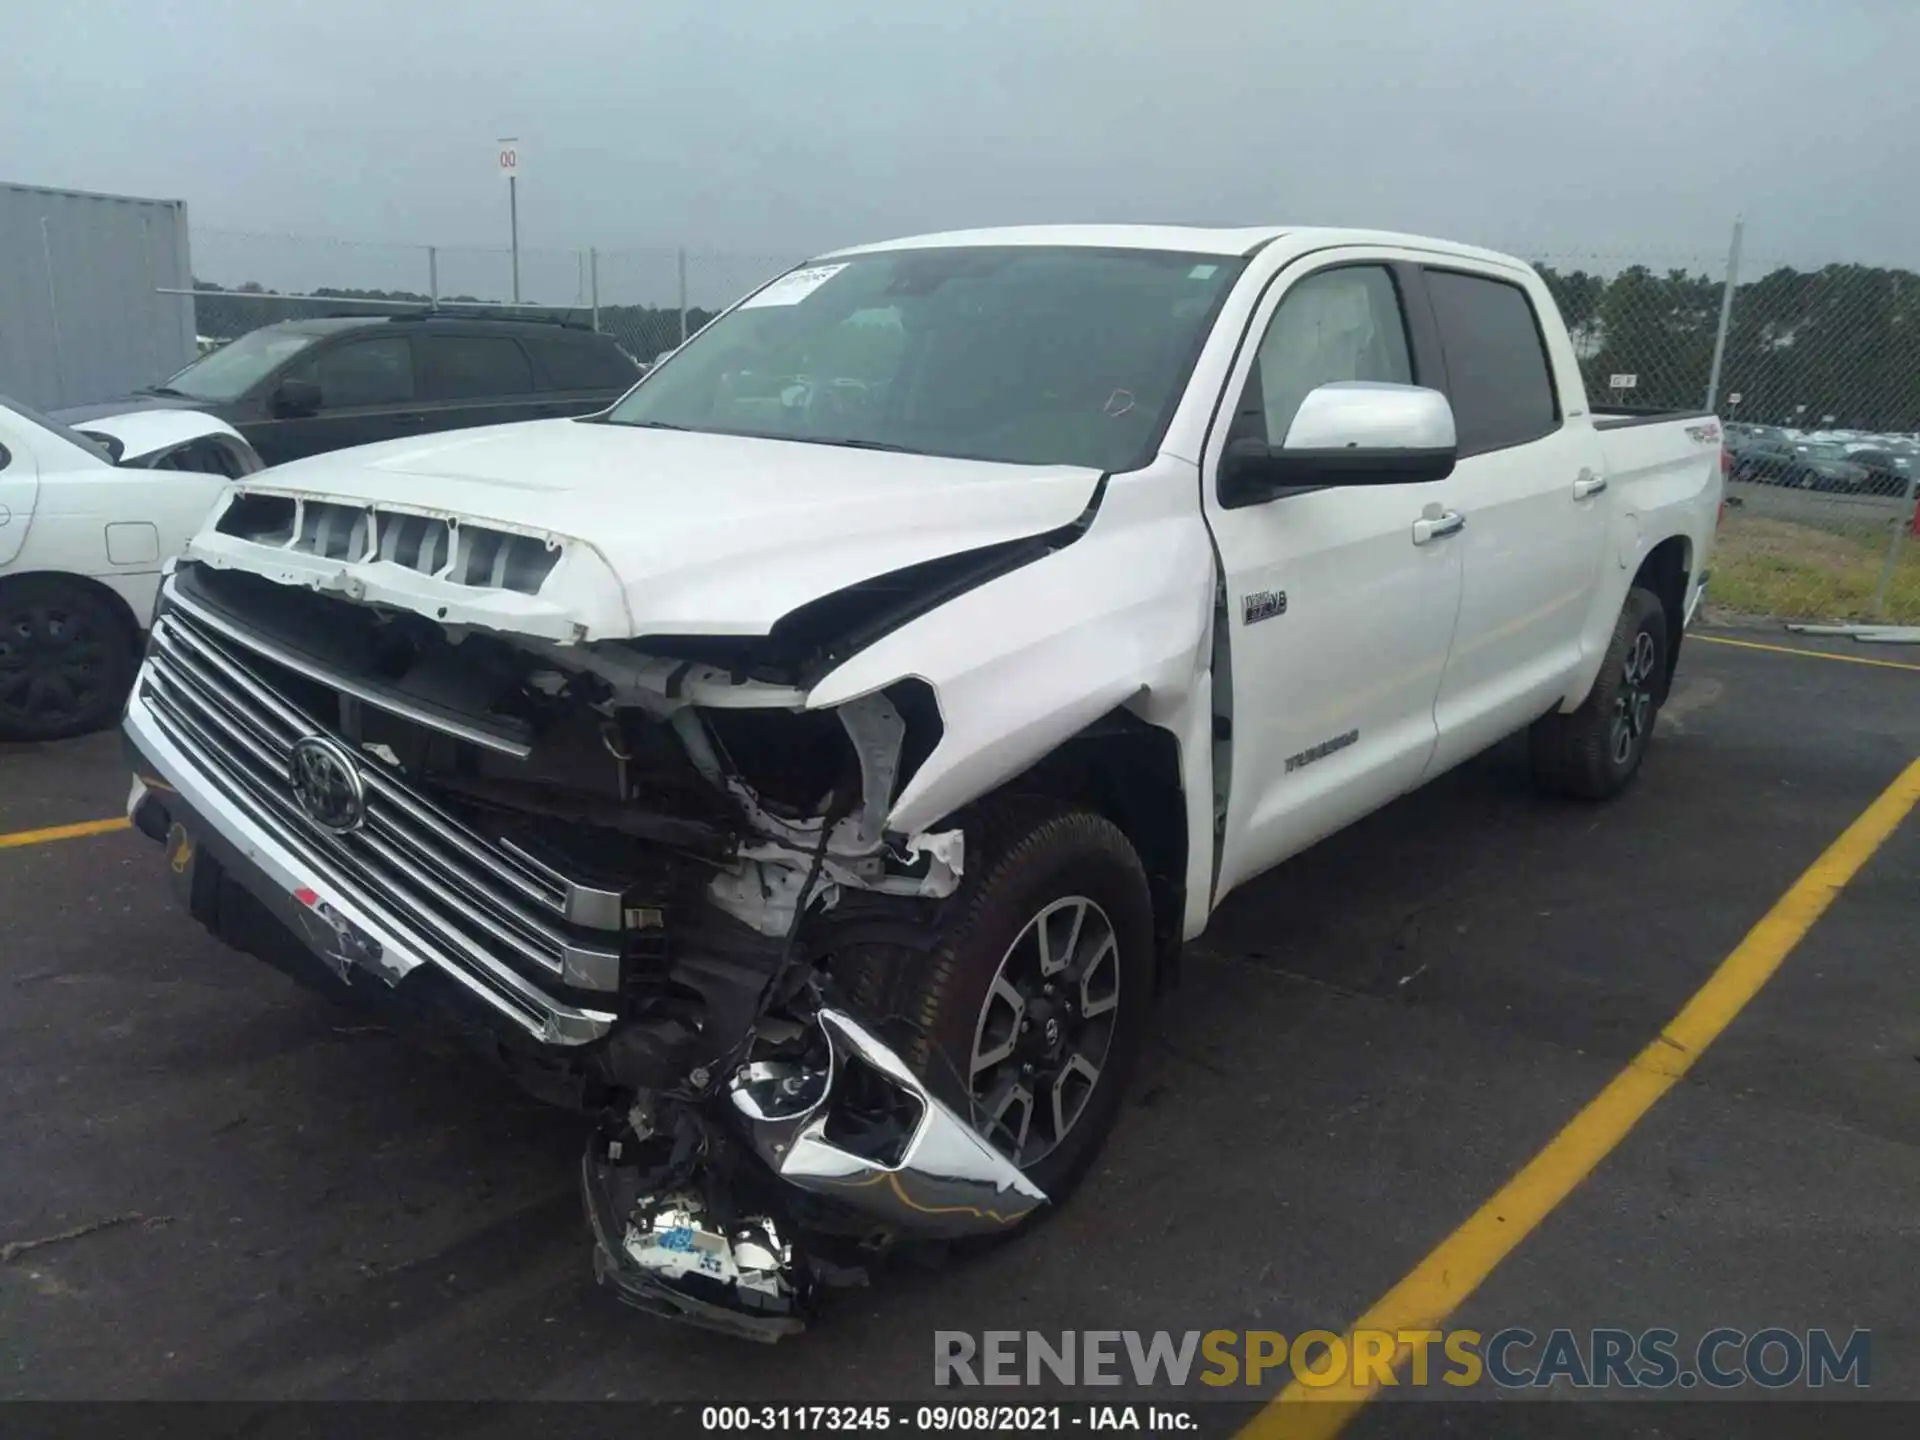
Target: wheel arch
{"points": [[115, 601], [1128, 771], [1666, 571]]}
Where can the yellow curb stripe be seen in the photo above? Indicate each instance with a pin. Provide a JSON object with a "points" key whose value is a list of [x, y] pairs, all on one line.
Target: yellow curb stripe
{"points": [[1438, 1285], [1809, 654], [61, 832]]}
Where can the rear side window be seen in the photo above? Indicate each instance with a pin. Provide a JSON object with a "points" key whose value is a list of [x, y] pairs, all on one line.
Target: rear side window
{"points": [[475, 367], [362, 372], [1498, 381], [581, 365]]}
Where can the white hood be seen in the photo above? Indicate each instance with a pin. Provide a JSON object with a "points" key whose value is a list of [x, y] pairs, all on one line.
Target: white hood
{"points": [[142, 432], [700, 534]]}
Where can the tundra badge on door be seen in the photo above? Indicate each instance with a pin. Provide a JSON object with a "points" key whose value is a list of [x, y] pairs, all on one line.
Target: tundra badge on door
{"points": [[1263, 605]]}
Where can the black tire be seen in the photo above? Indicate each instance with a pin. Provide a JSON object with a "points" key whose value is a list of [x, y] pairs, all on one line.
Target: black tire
{"points": [[66, 659], [930, 991], [1594, 752]]}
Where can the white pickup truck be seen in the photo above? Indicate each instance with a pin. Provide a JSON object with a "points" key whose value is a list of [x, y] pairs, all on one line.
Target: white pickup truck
{"points": [[813, 764]]}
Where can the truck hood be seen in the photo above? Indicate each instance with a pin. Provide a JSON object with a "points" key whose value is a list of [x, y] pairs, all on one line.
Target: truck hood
{"points": [[660, 532]]}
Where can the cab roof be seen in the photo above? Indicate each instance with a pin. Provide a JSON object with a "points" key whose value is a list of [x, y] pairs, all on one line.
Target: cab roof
{"points": [[1189, 239]]}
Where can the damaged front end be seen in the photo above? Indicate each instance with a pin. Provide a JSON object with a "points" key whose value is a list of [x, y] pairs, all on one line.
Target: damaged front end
{"points": [[622, 874], [696, 1221]]}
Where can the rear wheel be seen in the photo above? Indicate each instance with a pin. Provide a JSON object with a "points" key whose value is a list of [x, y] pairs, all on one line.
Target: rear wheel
{"points": [[1594, 752], [66, 659], [1027, 1002]]}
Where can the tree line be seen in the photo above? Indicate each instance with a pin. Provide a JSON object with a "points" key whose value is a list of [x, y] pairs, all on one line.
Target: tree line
{"points": [[1841, 341]]}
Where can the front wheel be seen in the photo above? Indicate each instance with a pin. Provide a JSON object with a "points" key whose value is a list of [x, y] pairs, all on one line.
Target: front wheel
{"points": [[1028, 1004], [66, 661], [1594, 752]]}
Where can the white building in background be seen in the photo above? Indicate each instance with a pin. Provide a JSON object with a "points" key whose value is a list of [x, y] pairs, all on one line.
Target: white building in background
{"points": [[82, 316]]}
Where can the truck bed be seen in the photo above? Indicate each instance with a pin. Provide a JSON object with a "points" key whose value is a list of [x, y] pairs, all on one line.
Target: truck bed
{"points": [[1620, 417]]}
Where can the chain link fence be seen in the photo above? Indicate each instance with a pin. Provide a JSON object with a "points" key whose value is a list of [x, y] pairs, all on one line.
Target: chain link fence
{"points": [[649, 300], [1816, 372]]}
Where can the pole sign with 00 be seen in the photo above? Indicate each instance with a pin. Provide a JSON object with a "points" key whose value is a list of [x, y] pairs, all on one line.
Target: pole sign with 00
{"points": [[507, 158]]}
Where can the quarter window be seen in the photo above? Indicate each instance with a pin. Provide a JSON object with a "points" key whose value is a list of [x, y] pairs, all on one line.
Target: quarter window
{"points": [[574, 365], [476, 367]]}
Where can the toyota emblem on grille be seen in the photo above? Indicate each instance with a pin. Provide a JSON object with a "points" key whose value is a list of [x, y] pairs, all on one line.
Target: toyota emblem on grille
{"points": [[327, 784]]}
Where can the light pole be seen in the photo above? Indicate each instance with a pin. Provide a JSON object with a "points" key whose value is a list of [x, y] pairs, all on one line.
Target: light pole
{"points": [[509, 161]]}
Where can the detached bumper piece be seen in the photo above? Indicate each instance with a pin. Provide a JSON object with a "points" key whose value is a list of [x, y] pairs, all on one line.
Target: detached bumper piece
{"points": [[860, 1132], [866, 1132], [669, 1256]]}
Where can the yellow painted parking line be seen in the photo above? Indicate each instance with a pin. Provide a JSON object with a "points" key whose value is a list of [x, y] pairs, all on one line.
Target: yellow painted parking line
{"points": [[1438, 1285], [1810, 654], [61, 832]]}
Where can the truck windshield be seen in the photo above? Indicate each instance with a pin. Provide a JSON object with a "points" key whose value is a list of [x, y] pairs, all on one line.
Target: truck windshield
{"points": [[236, 367], [1035, 355]]}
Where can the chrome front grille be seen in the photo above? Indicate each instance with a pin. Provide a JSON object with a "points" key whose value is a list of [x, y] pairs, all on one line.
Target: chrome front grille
{"points": [[489, 910]]}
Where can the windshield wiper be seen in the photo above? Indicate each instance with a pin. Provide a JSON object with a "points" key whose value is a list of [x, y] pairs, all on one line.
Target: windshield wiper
{"points": [[851, 443], [162, 390]]}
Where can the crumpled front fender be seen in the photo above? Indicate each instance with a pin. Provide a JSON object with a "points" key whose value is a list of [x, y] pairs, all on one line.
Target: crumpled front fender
{"points": [[1020, 664]]}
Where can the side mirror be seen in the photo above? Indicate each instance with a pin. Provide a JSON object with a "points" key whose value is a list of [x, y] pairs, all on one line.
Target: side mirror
{"points": [[1349, 432], [294, 399]]}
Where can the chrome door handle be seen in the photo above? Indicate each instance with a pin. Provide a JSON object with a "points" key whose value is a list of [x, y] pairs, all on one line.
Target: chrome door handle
{"points": [[1588, 484], [1449, 522]]}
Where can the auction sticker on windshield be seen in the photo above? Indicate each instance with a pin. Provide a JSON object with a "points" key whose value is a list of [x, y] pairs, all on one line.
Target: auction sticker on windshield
{"points": [[794, 286]]}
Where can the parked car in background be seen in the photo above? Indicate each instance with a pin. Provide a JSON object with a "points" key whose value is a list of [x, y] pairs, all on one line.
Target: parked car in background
{"points": [[86, 520], [1761, 453], [1890, 465], [1775, 458], [307, 386], [1824, 465]]}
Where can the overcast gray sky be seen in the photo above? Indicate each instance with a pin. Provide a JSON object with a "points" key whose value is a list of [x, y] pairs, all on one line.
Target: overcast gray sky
{"points": [[1624, 127]]}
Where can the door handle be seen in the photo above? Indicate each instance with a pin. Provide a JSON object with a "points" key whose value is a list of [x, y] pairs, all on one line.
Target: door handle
{"points": [[1449, 522], [1588, 484]]}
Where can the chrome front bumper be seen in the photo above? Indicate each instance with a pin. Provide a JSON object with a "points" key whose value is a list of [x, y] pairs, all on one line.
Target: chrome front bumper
{"points": [[292, 873]]}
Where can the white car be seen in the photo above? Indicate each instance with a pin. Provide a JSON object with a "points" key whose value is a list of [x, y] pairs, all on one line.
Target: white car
{"points": [[812, 765], [86, 519]]}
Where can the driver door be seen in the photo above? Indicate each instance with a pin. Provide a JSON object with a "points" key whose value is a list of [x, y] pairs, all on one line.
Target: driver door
{"points": [[1340, 605]]}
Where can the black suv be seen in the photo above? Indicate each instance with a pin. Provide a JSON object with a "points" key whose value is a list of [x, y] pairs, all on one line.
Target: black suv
{"points": [[304, 386]]}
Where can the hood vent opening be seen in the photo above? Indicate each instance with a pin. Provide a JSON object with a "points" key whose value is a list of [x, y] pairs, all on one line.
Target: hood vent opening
{"points": [[474, 555]]}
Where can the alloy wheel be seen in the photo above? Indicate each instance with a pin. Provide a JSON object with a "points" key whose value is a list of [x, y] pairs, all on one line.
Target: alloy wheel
{"points": [[1045, 1028], [1633, 704], [52, 665]]}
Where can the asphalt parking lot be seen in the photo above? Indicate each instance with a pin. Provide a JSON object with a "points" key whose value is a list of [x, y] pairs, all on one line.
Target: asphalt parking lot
{"points": [[1365, 1047]]}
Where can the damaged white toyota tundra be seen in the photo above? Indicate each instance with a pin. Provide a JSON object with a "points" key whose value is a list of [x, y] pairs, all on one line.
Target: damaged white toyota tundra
{"points": [[811, 766]]}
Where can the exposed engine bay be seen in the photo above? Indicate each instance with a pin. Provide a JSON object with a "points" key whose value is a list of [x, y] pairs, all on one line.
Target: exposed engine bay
{"points": [[673, 854]]}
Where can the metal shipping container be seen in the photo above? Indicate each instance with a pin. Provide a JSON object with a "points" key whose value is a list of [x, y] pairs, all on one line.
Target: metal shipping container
{"points": [[81, 313]]}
